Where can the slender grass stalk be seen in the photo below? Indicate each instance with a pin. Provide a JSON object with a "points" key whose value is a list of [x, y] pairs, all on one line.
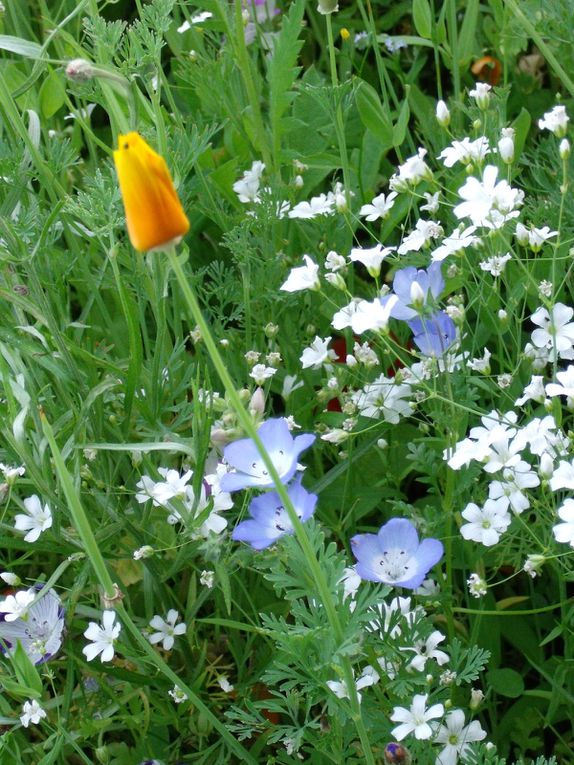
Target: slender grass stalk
{"points": [[82, 525], [249, 428], [339, 122]]}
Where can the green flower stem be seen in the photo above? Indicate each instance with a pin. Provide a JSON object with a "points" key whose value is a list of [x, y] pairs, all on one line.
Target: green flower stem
{"points": [[251, 431], [525, 612], [453, 40], [339, 124], [93, 552]]}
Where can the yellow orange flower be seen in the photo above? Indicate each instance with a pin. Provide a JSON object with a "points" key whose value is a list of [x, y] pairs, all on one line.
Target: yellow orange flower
{"points": [[154, 215]]}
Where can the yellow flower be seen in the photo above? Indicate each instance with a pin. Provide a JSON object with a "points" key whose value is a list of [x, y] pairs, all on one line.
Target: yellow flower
{"points": [[154, 215]]}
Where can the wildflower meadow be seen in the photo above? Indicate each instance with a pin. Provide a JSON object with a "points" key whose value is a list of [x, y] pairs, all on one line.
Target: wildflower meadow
{"points": [[287, 382]]}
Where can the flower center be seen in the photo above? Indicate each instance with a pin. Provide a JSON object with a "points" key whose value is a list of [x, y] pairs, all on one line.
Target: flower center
{"points": [[395, 564]]}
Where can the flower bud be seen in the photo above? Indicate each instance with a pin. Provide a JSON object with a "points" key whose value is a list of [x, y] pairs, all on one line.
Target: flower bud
{"points": [[328, 6], [506, 145], [11, 579], [521, 234], [442, 114], [271, 330], [476, 698], [80, 70], [257, 403], [564, 148], [345, 34]]}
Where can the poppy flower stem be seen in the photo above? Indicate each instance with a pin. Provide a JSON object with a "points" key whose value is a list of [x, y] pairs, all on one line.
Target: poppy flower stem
{"points": [[244, 418]]}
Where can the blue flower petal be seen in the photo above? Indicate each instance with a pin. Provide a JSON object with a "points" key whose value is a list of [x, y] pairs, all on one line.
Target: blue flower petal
{"points": [[398, 533]]}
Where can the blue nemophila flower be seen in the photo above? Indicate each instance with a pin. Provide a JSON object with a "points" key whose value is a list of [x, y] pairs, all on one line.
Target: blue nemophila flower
{"points": [[248, 466], [416, 288], [434, 334], [395, 556], [38, 626], [269, 520]]}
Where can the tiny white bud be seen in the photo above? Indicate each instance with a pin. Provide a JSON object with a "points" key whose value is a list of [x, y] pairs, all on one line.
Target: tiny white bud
{"points": [[564, 148], [442, 114], [12, 579]]}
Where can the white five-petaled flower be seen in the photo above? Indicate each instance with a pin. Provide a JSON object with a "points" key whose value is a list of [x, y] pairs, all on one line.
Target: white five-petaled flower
{"points": [[423, 233], [481, 94], [167, 629], [415, 720], [495, 264], [487, 523], [379, 207], [260, 373], [488, 203], [459, 240], [411, 172], [102, 637], [564, 532], [555, 331], [178, 695], [317, 354], [465, 151], [303, 278], [324, 204], [247, 187], [36, 520], [16, 606], [427, 649], [457, 737], [556, 121], [371, 257], [32, 713]]}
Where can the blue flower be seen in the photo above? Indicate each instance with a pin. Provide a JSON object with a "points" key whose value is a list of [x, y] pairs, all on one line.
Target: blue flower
{"points": [[269, 520], [250, 470], [394, 556], [39, 630], [412, 285], [433, 334]]}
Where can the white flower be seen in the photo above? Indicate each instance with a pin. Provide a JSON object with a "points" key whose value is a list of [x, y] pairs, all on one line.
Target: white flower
{"points": [[465, 151], [161, 492], [533, 565], [495, 265], [178, 695], [166, 629], [351, 582], [423, 233], [487, 523], [477, 587], [459, 240], [411, 172], [506, 145], [457, 737], [564, 532], [335, 262], [556, 121], [566, 387], [13, 580], [364, 354], [11, 473], [477, 446], [343, 317], [224, 684], [207, 579], [488, 203], [102, 637], [303, 278], [32, 713], [143, 552], [260, 373], [442, 114], [415, 720], [534, 391], [247, 188], [425, 650], [37, 520], [379, 207], [371, 258], [432, 204], [556, 331], [290, 384], [511, 490], [367, 316], [481, 365], [321, 205], [317, 354], [481, 94], [384, 398], [16, 606]]}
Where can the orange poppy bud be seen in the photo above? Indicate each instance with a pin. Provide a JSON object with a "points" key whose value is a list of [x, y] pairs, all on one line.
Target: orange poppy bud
{"points": [[488, 69], [154, 215]]}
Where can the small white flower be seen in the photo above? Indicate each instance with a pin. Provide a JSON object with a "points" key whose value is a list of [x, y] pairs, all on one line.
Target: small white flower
{"points": [[317, 354], [178, 695], [32, 713], [224, 684], [533, 565], [102, 637], [465, 151], [37, 520], [335, 262], [143, 552], [351, 582], [247, 188], [556, 121], [425, 650], [423, 233], [415, 720], [380, 207], [321, 205], [371, 258], [481, 365], [477, 587], [457, 737], [534, 391], [16, 606], [411, 172], [12, 473], [459, 240], [495, 265], [555, 331], [260, 373], [290, 384], [167, 629], [432, 204], [488, 203], [485, 524], [207, 579], [303, 278], [564, 148], [481, 94], [367, 316], [564, 532]]}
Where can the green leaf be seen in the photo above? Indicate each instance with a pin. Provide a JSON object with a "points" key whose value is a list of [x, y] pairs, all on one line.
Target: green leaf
{"points": [[400, 129], [372, 114], [26, 672], [521, 125], [506, 682], [25, 48], [52, 95], [223, 581], [466, 41], [422, 18]]}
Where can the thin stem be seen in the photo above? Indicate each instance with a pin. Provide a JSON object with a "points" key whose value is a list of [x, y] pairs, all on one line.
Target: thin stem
{"points": [[339, 123]]}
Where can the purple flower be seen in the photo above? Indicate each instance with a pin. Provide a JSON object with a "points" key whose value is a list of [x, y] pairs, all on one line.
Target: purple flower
{"points": [[433, 334], [412, 287], [39, 630], [394, 556], [249, 468], [269, 520]]}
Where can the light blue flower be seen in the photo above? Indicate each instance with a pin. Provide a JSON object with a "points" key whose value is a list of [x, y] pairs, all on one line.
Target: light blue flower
{"points": [[269, 520], [394, 556], [248, 465], [434, 334], [411, 285]]}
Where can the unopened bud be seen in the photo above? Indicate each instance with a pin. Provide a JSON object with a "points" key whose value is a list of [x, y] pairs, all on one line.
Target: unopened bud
{"points": [[564, 148], [442, 114], [80, 70]]}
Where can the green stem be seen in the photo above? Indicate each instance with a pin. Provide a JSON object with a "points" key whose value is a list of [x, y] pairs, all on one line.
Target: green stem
{"points": [[300, 533], [82, 525], [339, 123], [453, 39]]}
